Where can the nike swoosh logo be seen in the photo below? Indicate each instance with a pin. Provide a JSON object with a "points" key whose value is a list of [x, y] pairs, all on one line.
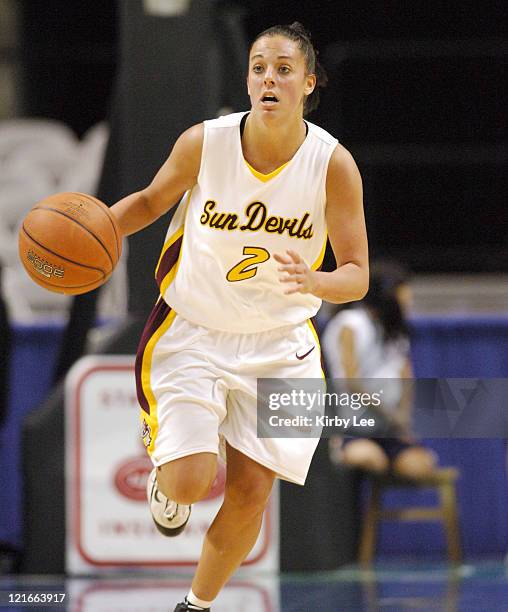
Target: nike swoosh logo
{"points": [[305, 354]]}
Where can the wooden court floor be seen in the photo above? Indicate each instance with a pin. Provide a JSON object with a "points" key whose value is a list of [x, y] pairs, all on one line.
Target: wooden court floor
{"points": [[388, 587]]}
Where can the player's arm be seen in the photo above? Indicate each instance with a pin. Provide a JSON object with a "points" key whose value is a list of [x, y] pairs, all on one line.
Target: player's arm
{"points": [[345, 222], [178, 174], [348, 237]]}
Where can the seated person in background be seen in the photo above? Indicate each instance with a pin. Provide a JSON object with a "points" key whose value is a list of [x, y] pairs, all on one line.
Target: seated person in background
{"points": [[371, 340]]}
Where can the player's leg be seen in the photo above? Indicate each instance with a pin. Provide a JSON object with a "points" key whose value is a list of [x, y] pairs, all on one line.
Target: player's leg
{"points": [[183, 447], [249, 482], [184, 451], [175, 485], [182, 403], [235, 529], [365, 454], [188, 479]]}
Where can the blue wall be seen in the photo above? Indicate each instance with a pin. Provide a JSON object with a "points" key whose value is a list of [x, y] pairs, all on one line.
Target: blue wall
{"points": [[460, 347], [34, 353]]}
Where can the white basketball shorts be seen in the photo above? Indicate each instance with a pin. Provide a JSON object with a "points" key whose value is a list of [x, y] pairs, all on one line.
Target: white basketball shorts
{"points": [[196, 385]]}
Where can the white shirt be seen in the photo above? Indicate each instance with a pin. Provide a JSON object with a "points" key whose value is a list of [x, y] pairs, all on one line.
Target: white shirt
{"points": [[233, 221], [376, 358]]}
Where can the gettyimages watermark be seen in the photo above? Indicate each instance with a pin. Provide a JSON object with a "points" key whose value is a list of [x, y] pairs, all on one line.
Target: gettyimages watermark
{"points": [[383, 408]]}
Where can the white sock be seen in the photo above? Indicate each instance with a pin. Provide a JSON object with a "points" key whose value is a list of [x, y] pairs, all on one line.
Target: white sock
{"points": [[195, 601]]}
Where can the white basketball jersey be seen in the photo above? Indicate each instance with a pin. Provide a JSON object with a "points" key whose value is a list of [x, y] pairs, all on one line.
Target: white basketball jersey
{"points": [[217, 267]]}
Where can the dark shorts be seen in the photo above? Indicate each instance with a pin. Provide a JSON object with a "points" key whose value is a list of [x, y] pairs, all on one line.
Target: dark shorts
{"points": [[391, 446]]}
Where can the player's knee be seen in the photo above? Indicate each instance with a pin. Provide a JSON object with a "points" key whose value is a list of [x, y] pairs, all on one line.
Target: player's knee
{"points": [[187, 482], [189, 490], [250, 496]]}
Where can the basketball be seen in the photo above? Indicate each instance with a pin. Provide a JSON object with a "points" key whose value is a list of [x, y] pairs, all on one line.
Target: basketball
{"points": [[69, 243]]}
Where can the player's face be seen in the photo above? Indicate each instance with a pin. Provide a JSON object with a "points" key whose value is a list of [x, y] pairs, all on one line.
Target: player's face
{"points": [[278, 81]]}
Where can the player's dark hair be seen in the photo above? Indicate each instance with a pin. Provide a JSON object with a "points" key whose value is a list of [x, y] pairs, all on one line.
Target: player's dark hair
{"points": [[385, 278], [296, 32]]}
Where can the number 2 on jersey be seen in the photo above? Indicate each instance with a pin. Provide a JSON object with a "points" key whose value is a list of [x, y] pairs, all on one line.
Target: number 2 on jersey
{"points": [[244, 268]]}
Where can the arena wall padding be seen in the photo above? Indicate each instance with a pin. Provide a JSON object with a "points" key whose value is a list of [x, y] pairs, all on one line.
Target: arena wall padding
{"points": [[44, 488], [43, 454], [320, 522]]}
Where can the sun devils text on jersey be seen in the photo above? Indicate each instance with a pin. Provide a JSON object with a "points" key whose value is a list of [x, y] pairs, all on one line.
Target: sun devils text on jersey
{"points": [[217, 267]]}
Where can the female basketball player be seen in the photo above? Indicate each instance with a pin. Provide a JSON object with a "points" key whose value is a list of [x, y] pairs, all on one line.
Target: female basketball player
{"points": [[239, 280]]}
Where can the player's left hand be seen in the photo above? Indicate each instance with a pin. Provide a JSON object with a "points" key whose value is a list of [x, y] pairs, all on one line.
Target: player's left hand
{"points": [[296, 272]]}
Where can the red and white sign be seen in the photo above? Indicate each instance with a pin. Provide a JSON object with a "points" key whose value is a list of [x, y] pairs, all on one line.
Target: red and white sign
{"points": [[109, 522]]}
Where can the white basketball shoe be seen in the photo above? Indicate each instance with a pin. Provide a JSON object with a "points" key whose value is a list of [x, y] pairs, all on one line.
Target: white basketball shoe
{"points": [[169, 517]]}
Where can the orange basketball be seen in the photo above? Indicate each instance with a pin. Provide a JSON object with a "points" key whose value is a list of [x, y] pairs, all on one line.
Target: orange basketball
{"points": [[69, 243]]}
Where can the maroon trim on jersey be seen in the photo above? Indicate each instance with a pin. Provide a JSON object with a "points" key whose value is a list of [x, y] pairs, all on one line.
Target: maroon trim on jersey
{"points": [[168, 260], [157, 317]]}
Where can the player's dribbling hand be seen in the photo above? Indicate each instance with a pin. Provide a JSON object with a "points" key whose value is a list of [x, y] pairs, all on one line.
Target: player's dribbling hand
{"points": [[296, 272]]}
